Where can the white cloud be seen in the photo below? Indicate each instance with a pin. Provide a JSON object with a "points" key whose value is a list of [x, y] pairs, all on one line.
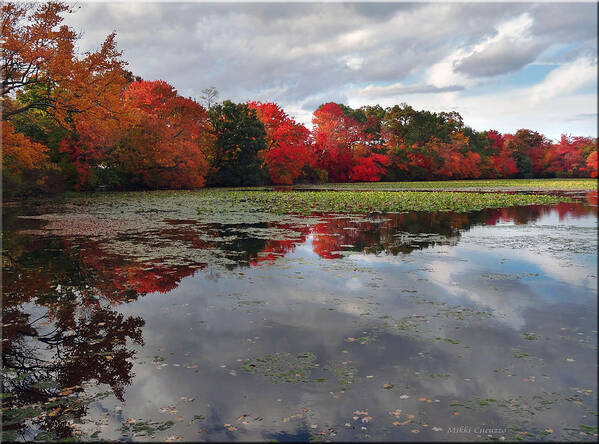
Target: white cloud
{"points": [[509, 49], [565, 79]]}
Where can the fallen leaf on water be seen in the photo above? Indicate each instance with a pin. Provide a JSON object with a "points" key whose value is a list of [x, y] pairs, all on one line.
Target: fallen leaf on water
{"points": [[54, 412], [549, 430], [367, 419], [421, 399], [570, 360], [415, 431], [232, 428], [456, 413], [108, 357], [388, 386]]}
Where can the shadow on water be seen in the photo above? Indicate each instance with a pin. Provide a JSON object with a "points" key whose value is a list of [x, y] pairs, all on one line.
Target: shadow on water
{"points": [[89, 305]]}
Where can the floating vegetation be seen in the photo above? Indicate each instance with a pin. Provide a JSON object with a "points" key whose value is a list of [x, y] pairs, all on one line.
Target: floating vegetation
{"points": [[344, 372], [530, 336], [364, 202], [282, 367], [492, 184], [145, 428]]}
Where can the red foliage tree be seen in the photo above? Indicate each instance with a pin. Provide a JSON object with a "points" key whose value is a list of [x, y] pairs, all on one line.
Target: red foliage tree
{"points": [[568, 157], [288, 144], [502, 164], [344, 148]]}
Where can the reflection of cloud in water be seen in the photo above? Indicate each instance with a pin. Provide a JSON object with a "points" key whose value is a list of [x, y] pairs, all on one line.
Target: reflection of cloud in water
{"points": [[501, 279]]}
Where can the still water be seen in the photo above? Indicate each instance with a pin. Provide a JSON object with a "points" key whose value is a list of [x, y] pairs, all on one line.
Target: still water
{"points": [[129, 317]]}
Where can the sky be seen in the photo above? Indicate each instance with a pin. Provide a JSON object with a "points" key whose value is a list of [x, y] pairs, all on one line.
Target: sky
{"points": [[502, 66]]}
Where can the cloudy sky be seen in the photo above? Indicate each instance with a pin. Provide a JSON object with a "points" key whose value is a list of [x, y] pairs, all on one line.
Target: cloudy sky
{"points": [[501, 66]]}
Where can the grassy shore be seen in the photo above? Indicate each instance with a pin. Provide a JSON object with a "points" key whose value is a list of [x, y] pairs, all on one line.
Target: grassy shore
{"points": [[473, 185], [306, 202]]}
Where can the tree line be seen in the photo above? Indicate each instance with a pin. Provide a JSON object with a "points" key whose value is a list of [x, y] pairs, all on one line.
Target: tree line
{"points": [[83, 121]]}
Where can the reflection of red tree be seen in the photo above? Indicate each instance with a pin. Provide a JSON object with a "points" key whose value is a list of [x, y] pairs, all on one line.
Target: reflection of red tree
{"points": [[524, 215], [277, 248], [122, 275]]}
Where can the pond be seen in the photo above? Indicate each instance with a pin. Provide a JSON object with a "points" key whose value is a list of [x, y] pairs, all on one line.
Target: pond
{"points": [[129, 316]]}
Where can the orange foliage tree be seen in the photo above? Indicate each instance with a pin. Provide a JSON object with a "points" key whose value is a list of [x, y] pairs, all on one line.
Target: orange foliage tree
{"points": [[164, 144], [19, 153], [40, 71], [592, 164]]}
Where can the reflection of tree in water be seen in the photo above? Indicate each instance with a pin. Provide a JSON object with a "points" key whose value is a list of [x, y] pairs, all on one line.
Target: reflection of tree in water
{"points": [[395, 233], [59, 334]]}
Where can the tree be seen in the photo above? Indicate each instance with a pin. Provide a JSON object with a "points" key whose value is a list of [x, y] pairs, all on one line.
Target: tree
{"points": [[209, 96], [35, 51], [42, 73], [287, 150], [503, 165], [568, 157], [334, 134], [39, 62], [166, 143], [23, 160], [345, 144], [592, 164], [240, 136]]}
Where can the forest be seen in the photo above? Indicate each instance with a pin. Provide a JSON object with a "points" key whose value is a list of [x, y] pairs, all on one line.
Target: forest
{"points": [[82, 121]]}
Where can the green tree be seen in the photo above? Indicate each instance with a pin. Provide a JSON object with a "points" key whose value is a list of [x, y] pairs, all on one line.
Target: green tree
{"points": [[240, 135]]}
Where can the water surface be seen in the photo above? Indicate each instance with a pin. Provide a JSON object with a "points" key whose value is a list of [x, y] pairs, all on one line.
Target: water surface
{"points": [[128, 316]]}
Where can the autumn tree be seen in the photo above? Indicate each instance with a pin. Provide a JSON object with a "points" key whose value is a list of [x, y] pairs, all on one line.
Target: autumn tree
{"points": [[23, 161], [502, 164], [166, 141], [592, 164], [568, 157], [346, 144], [36, 51], [41, 72], [39, 65], [527, 149], [287, 150]]}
